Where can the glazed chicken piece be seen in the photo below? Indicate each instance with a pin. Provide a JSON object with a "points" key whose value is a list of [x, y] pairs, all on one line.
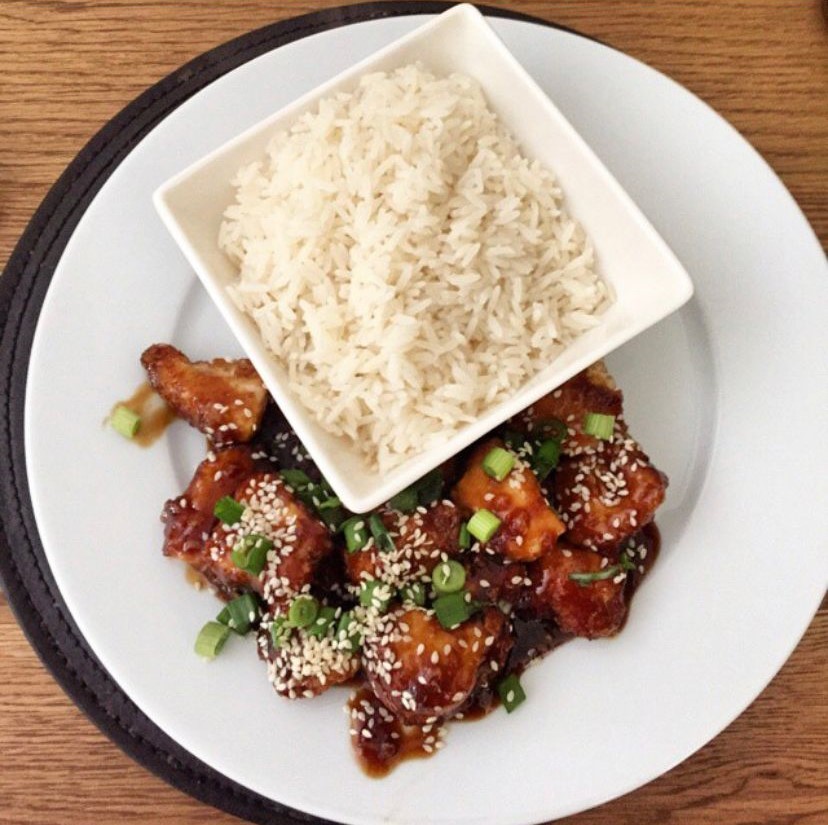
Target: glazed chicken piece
{"points": [[529, 526], [590, 610], [300, 540], [303, 665], [491, 578], [224, 399], [420, 541], [189, 518], [607, 493], [422, 672], [592, 390]]}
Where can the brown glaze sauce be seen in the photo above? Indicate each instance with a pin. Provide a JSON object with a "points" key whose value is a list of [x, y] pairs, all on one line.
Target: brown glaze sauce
{"points": [[156, 416], [195, 579], [381, 741], [392, 742]]}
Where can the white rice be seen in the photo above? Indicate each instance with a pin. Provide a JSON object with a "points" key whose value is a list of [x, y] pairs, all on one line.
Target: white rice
{"points": [[405, 263]]}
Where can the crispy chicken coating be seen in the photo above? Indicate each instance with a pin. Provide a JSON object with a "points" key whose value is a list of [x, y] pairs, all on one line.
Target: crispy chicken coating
{"points": [[529, 526], [224, 399], [420, 540], [608, 492], [589, 610], [421, 671], [303, 665], [189, 518], [300, 540]]}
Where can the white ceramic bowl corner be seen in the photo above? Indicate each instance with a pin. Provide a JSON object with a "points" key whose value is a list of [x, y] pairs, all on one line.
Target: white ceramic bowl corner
{"points": [[646, 277]]}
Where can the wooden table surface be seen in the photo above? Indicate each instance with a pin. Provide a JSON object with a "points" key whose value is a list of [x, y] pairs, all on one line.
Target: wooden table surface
{"points": [[67, 66]]}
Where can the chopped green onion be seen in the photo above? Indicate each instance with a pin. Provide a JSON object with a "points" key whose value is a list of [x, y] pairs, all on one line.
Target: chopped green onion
{"points": [[514, 440], [347, 632], [240, 613], [448, 577], [211, 639], [550, 428], [609, 572], [483, 525], [599, 425], [250, 553], [279, 631], [298, 479], [511, 692], [430, 488], [303, 611], [375, 594], [329, 503], [498, 463], [380, 533], [465, 538], [125, 421], [454, 609], [356, 535], [626, 562], [322, 622], [415, 593], [228, 510], [405, 501], [546, 458]]}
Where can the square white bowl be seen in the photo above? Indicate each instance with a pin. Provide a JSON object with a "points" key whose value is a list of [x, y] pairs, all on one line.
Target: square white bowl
{"points": [[646, 277]]}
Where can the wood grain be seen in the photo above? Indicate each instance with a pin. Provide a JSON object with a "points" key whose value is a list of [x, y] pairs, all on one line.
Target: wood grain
{"points": [[67, 67]]}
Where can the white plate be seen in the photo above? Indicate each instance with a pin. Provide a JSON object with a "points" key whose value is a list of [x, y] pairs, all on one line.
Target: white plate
{"points": [[646, 280], [728, 395]]}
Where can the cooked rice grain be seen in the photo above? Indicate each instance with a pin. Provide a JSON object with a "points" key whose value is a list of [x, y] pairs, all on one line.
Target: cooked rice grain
{"points": [[405, 263]]}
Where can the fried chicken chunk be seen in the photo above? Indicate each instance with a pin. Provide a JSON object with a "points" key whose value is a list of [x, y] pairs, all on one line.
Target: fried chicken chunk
{"points": [[304, 665], [420, 540], [189, 518], [590, 610], [592, 390], [224, 399], [421, 672], [529, 526], [300, 540], [608, 492]]}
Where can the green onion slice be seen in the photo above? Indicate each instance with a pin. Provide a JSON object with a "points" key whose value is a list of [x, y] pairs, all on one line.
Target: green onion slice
{"points": [[415, 593], [608, 572], [356, 533], [376, 594], [430, 488], [599, 425], [228, 510], [250, 554], [464, 540], [125, 421], [550, 428], [279, 631], [405, 501], [380, 533], [546, 458], [483, 525], [330, 503], [454, 609], [322, 623], [448, 577], [298, 479], [241, 613], [511, 692], [514, 440], [303, 611], [498, 463], [211, 639], [347, 632]]}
